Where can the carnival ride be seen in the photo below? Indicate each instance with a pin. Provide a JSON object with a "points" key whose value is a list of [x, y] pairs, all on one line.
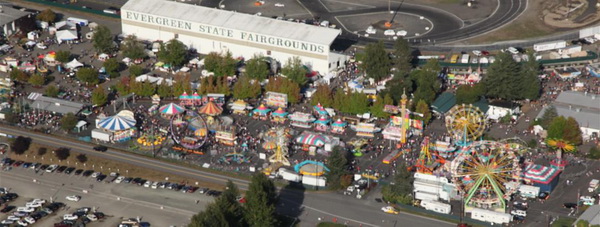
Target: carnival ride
{"points": [[466, 123], [428, 160], [358, 145], [279, 137], [189, 130], [311, 168]]}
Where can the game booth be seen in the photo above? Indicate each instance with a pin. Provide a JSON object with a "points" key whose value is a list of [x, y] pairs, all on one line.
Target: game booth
{"points": [[544, 177], [261, 113], [320, 110], [239, 107], [170, 110], [226, 136], [365, 129], [313, 142], [276, 99], [338, 127], [322, 124], [120, 127], [279, 116], [190, 100], [218, 99], [301, 120]]}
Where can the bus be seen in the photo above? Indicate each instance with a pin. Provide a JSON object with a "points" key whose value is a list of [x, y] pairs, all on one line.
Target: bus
{"points": [[454, 58], [391, 157]]}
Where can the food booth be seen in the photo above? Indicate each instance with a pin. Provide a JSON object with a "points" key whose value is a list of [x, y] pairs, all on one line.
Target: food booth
{"points": [[226, 137], [276, 99], [338, 127], [322, 124], [366, 130], [301, 120], [320, 110], [239, 107], [279, 116], [262, 113]]}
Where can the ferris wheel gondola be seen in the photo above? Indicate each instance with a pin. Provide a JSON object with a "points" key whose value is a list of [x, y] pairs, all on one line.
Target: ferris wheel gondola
{"points": [[466, 123]]}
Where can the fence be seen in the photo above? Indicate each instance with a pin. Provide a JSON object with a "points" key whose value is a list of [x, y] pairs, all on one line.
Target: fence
{"points": [[74, 7]]}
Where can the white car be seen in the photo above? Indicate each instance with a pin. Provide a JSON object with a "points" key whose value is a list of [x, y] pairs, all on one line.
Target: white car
{"points": [[70, 217], [74, 198], [474, 60], [279, 5], [389, 32], [513, 50], [41, 46], [119, 179], [324, 23], [26, 209], [96, 174], [30, 220], [22, 223], [154, 185], [402, 33], [147, 184], [42, 201], [477, 52], [51, 168], [13, 218], [7, 222], [92, 217], [371, 30], [33, 204]]}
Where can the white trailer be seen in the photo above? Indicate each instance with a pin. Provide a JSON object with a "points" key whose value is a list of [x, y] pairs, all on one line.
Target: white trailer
{"points": [[98, 134], [314, 181], [464, 59], [436, 206], [289, 175], [570, 49], [490, 216], [552, 45], [426, 196], [529, 191], [79, 21]]}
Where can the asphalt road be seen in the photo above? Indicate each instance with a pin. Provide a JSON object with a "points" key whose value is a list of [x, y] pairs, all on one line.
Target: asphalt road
{"points": [[309, 206]]}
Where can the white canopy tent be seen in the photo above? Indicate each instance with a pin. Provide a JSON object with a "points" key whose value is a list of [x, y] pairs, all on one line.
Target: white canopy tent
{"points": [[66, 35], [73, 64]]}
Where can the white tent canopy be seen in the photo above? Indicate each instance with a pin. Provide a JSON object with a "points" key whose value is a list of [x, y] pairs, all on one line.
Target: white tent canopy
{"points": [[66, 35], [73, 64]]}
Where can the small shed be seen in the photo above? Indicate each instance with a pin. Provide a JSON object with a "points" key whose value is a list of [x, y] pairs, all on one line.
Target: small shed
{"points": [[81, 125]]}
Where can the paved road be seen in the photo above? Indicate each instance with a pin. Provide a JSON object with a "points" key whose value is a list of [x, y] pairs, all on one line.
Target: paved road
{"points": [[308, 206]]}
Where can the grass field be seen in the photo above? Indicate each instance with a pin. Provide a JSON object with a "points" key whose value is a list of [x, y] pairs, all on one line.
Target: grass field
{"points": [[104, 165]]}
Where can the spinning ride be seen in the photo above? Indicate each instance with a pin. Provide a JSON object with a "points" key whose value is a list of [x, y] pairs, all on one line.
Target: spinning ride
{"points": [[190, 131], [480, 172], [466, 122]]}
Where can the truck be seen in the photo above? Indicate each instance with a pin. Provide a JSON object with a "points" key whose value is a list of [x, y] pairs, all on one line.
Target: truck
{"points": [[313, 181], [464, 59], [529, 191], [426, 196], [289, 175], [79, 21], [100, 135], [436, 206], [593, 185], [552, 45], [490, 216]]}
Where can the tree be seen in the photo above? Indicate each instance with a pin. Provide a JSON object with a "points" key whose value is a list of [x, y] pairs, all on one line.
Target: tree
{"points": [[103, 39], [340, 100], [19, 75], [556, 128], [81, 158], [286, 86], [99, 97], [182, 84], [401, 190], [133, 48], [211, 216], [123, 86], [572, 132], [88, 75], [136, 70], [148, 89], [427, 82], [402, 58], [42, 151], [20, 145], [225, 211], [245, 88], [295, 71], [531, 85], [47, 15], [338, 166], [164, 90], [594, 153], [379, 104], [173, 52], [377, 62], [260, 201], [322, 95], [68, 122], [62, 153], [398, 85], [51, 91], [506, 80], [63, 56], [423, 108], [112, 67], [211, 61], [257, 68], [467, 94], [549, 115], [37, 80], [358, 103]]}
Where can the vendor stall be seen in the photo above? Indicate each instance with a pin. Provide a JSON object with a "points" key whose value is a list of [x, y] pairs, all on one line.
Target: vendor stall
{"points": [[185, 99], [170, 110], [153, 110], [155, 99], [546, 178], [365, 130], [239, 107], [218, 99], [262, 113], [226, 137], [279, 116], [301, 120], [320, 110], [196, 99], [121, 126], [322, 124], [275, 99], [338, 126]]}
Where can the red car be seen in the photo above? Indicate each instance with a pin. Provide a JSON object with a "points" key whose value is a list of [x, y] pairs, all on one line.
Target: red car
{"points": [[18, 163]]}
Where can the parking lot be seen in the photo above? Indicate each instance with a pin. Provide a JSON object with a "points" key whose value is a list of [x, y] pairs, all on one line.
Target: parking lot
{"points": [[158, 207]]}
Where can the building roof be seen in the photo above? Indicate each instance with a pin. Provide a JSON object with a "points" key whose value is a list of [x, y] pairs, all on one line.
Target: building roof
{"points": [[482, 104], [57, 105], [9, 14], [504, 104], [585, 108], [234, 20], [591, 214], [579, 99], [444, 102]]}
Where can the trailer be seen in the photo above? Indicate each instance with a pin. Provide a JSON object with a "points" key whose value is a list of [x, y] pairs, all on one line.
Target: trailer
{"points": [[101, 135], [289, 175], [313, 181], [490, 216], [436, 206], [464, 59], [79, 21], [426, 196], [552, 45], [529, 191]]}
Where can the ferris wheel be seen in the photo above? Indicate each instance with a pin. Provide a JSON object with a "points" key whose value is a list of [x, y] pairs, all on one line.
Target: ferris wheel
{"points": [[481, 172], [466, 123]]}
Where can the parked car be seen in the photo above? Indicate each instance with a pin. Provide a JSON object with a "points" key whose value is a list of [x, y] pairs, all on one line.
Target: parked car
{"points": [[119, 179], [7, 209], [101, 148], [96, 174], [389, 210], [154, 185], [70, 217], [100, 177], [74, 198], [51, 168], [69, 170], [78, 172], [127, 180], [570, 205], [61, 169]]}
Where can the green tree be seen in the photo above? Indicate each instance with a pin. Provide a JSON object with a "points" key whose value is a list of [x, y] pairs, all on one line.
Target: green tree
{"points": [[261, 197], [148, 89], [401, 190], [68, 122], [245, 88], [20, 145], [164, 90], [322, 95], [377, 62], [572, 132], [399, 84], [181, 84], [173, 52], [340, 100], [99, 97], [136, 70], [211, 216], [379, 104], [225, 211], [257, 68], [423, 108], [133, 48], [594, 153], [51, 91], [530, 83], [556, 128], [63, 56], [62, 153], [81, 158], [135, 86], [37, 80], [18, 75], [402, 58], [286, 86], [338, 167], [549, 115], [295, 71], [103, 39], [503, 79], [47, 15], [42, 151], [211, 61], [123, 86], [467, 94], [358, 103], [88, 76], [112, 67]]}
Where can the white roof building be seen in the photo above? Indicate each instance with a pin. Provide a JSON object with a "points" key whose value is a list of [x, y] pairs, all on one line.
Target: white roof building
{"points": [[583, 107], [214, 30]]}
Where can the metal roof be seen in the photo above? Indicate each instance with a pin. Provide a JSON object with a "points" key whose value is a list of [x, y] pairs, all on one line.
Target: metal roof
{"points": [[57, 105], [234, 20], [591, 214], [9, 14], [585, 118], [579, 99]]}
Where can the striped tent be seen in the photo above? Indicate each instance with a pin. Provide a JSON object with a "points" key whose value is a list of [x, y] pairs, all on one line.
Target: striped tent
{"points": [[312, 139], [262, 110], [210, 109], [116, 123], [184, 96], [196, 96], [171, 109], [280, 112], [339, 123], [540, 174]]}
